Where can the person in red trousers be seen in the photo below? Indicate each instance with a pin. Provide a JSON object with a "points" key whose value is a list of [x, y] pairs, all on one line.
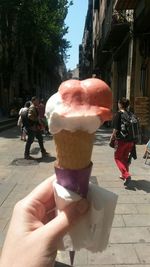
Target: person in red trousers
{"points": [[123, 144]]}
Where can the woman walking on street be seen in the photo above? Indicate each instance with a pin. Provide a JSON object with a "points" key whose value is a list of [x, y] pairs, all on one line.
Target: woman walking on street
{"points": [[123, 144]]}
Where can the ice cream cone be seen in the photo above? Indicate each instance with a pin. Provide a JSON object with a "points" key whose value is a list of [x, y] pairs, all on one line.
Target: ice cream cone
{"points": [[83, 105], [73, 150]]}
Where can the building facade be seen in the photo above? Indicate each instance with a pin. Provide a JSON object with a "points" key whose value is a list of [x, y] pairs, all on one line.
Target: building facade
{"points": [[120, 52], [85, 49]]}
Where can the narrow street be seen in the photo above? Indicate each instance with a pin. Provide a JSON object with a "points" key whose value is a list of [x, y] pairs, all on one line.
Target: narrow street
{"points": [[129, 244]]}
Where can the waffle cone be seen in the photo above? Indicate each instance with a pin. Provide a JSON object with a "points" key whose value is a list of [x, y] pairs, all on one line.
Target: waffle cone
{"points": [[73, 150]]}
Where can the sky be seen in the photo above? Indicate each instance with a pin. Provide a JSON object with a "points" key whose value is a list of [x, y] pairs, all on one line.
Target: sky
{"points": [[75, 20]]}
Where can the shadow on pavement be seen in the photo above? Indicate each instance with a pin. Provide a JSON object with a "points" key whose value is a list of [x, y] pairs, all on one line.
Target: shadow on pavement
{"points": [[14, 132], [105, 130], [139, 185], [33, 161], [102, 137], [11, 133], [59, 264], [24, 162], [46, 159]]}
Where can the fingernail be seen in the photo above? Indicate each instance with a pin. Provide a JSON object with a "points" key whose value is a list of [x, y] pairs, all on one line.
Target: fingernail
{"points": [[82, 206]]}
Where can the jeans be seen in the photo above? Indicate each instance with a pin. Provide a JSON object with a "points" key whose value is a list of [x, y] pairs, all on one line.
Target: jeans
{"points": [[31, 135]]}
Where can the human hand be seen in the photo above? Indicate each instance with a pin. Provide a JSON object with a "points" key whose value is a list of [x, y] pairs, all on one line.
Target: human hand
{"points": [[34, 231]]}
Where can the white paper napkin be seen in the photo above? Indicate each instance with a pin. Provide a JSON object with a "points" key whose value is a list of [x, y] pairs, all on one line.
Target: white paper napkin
{"points": [[93, 230]]}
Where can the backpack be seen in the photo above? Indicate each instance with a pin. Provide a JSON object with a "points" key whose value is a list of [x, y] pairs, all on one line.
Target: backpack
{"points": [[25, 119], [27, 122], [129, 128]]}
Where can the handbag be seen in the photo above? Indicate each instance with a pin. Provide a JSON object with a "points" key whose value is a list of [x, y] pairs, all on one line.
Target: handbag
{"points": [[112, 143]]}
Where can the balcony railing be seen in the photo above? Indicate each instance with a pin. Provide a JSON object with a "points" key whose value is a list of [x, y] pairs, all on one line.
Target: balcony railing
{"points": [[115, 27]]}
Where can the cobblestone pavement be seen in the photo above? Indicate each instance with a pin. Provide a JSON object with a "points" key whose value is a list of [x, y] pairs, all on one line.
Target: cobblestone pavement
{"points": [[129, 244]]}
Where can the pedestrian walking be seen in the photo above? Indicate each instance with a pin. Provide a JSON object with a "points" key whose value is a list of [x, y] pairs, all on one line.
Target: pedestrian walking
{"points": [[124, 142], [22, 122], [41, 109], [34, 129]]}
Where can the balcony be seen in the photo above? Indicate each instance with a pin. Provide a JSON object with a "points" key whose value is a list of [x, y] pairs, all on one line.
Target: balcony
{"points": [[126, 4], [142, 14], [114, 30]]}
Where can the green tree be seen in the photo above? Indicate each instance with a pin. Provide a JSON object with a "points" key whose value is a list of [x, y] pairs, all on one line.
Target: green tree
{"points": [[31, 38]]}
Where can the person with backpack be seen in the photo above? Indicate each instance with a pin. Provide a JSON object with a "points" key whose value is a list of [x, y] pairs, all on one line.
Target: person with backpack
{"points": [[125, 134], [33, 129]]}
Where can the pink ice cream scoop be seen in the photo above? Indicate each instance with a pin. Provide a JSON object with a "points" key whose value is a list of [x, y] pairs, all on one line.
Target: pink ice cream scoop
{"points": [[92, 96], [79, 105]]}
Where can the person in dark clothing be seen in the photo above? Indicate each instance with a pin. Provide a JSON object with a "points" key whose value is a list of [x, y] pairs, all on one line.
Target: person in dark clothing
{"points": [[123, 147], [33, 129], [133, 154]]}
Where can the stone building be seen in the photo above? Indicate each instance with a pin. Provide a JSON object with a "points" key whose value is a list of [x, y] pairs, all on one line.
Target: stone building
{"points": [[85, 49], [120, 52]]}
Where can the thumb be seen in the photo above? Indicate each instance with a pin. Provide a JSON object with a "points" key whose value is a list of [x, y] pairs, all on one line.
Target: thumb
{"points": [[62, 223]]}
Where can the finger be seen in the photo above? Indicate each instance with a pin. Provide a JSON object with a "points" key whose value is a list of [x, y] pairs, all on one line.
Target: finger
{"points": [[62, 223], [49, 215], [43, 192]]}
